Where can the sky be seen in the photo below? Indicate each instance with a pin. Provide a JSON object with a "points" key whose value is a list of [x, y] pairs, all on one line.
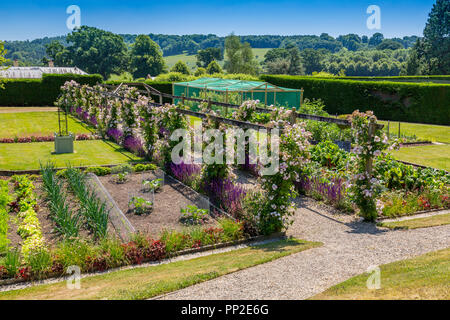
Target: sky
{"points": [[24, 19]]}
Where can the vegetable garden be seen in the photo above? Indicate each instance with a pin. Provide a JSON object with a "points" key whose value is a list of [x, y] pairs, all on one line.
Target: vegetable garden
{"points": [[366, 180]]}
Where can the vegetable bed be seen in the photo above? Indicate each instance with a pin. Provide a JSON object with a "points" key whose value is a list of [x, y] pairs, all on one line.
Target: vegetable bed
{"points": [[167, 205]]}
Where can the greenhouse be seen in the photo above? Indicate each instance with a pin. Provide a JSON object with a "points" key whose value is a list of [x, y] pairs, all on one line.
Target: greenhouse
{"points": [[237, 91]]}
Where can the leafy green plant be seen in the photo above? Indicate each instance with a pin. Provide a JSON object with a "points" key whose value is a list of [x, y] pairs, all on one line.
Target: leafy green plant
{"points": [[121, 177], [122, 168], [99, 171], [193, 215], [232, 230], [140, 206], [140, 167], [329, 155], [152, 185]]}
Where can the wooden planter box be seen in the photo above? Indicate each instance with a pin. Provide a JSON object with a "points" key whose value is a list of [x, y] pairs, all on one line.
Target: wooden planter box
{"points": [[64, 144]]}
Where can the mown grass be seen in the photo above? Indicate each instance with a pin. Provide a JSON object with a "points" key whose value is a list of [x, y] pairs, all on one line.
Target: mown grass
{"points": [[23, 124], [147, 282], [433, 221], [425, 277], [26, 156], [435, 156], [426, 132]]}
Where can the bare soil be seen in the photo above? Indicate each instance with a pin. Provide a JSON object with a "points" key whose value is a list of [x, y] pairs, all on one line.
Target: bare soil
{"points": [[167, 203]]}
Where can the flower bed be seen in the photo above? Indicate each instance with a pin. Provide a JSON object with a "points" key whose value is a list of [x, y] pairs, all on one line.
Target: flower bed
{"points": [[78, 137]]}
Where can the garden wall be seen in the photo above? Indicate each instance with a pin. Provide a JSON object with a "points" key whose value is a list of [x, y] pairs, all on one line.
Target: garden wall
{"points": [[411, 102], [40, 92]]}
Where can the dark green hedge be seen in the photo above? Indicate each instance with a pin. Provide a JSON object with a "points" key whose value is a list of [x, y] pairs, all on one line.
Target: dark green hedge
{"points": [[39, 92], [412, 102]]}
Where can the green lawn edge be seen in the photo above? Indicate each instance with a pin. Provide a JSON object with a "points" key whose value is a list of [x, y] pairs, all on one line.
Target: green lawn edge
{"points": [[426, 222], [27, 156], [424, 277], [147, 282]]}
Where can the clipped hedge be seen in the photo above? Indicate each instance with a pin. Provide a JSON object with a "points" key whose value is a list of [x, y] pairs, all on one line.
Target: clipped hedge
{"points": [[40, 92], [410, 102]]}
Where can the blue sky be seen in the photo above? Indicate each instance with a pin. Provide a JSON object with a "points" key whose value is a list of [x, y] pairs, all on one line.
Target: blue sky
{"points": [[22, 19]]}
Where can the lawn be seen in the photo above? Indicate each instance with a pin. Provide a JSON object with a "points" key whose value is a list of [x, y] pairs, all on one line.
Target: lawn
{"points": [[425, 277], [433, 221], [147, 282], [436, 156], [22, 124], [26, 156], [427, 132]]}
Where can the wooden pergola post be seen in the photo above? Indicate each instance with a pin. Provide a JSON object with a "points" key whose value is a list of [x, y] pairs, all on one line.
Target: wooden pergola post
{"points": [[369, 162], [173, 93], [301, 97], [293, 119], [265, 96]]}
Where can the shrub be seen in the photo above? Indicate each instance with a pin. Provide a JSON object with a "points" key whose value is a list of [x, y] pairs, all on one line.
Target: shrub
{"points": [[140, 206], [193, 215], [99, 171], [122, 168], [232, 230], [144, 167]]}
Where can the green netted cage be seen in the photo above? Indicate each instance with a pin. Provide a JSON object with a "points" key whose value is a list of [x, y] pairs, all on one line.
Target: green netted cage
{"points": [[237, 91]]}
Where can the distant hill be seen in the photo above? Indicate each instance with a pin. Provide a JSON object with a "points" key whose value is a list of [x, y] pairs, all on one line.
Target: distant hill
{"points": [[32, 52]]}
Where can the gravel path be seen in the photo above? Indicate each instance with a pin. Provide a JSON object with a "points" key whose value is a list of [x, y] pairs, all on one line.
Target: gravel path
{"points": [[350, 247]]}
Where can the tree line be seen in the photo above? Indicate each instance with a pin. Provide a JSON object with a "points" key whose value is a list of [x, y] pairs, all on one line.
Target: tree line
{"points": [[99, 51]]}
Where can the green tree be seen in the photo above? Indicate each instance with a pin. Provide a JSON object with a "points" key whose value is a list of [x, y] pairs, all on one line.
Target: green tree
{"points": [[206, 56], [284, 60], [389, 44], [240, 57], [432, 54], [95, 51], [199, 72], [312, 60], [2, 53], [146, 58], [213, 67], [376, 39], [58, 53], [180, 67], [2, 59]]}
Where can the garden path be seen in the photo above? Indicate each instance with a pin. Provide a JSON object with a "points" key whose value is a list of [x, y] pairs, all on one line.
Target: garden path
{"points": [[350, 247]]}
